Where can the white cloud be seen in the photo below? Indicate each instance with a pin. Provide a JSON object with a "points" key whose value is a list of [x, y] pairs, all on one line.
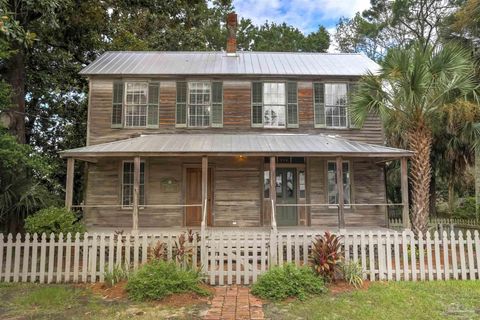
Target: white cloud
{"points": [[306, 15]]}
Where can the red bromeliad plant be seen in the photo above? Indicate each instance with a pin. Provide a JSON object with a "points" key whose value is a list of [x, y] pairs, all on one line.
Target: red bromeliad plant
{"points": [[326, 255]]}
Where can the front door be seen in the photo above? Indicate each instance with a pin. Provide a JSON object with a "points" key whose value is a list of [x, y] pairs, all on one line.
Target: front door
{"points": [[193, 196], [286, 188]]}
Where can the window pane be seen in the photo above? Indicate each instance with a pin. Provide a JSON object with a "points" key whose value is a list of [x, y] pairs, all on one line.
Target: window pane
{"points": [[301, 183], [336, 104], [332, 183], [127, 183], [274, 116], [266, 184], [199, 104], [136, 104]]}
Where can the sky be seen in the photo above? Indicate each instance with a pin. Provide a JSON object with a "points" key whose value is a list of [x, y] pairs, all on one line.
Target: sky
{"points": [[305, 15]]}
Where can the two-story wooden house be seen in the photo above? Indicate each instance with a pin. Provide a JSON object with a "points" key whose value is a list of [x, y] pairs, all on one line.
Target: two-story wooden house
{"points": [[233, 139]]}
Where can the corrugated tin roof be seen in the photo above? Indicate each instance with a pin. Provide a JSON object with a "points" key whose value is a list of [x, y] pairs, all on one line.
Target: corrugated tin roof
{"points": [[218, 63], [271, 144]]}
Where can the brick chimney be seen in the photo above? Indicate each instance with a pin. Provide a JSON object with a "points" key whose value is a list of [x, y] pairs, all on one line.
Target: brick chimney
{"points": [[232, 34]]}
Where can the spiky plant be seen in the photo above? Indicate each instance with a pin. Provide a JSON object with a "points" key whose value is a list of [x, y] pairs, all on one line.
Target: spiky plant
{"points": [[326, 255]]}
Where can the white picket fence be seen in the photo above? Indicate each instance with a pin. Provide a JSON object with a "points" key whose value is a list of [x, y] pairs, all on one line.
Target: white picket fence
{"points": [[396, 223], [240, 257]]}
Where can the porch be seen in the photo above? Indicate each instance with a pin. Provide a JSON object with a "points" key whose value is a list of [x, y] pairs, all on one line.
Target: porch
{"points": [[215, 181]]}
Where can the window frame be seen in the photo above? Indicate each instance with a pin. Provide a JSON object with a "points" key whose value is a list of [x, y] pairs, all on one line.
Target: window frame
{"points": [[263, 104], [187, 104], [124, 125], [324, 125], [350, 184], [122, 183]]}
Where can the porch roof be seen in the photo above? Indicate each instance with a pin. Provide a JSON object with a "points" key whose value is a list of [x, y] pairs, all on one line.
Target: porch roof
{"points": [[235, 144]]}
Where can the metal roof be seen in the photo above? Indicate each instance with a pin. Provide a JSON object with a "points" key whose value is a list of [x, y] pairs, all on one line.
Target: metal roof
{"points": [[228, 144], [218, 63]]}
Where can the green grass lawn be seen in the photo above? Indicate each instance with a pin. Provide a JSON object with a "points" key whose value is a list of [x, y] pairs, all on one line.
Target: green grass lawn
{"points": [[35, 301], [394, 300]]}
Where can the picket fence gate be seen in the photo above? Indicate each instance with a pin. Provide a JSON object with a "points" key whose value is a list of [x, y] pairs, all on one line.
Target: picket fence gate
{"points": [[239, 257]]}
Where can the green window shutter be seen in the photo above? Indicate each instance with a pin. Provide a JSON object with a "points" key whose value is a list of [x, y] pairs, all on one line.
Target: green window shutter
{"points": [[292, 105], [217, 104], [117, 105], [352, 88], [153, 104], [319, 104], [257, 104], [181, 107]]}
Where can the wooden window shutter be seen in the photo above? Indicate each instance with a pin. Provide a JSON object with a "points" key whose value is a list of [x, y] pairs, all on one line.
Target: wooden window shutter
{"points": [[352, 87], [257, 104], [292, 105], [153, 104], [181, 106], [319, 104], [117, 105], [217, 104]]}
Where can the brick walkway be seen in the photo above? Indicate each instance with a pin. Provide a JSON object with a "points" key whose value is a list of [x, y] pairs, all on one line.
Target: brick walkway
{"points": [[234, 303]]}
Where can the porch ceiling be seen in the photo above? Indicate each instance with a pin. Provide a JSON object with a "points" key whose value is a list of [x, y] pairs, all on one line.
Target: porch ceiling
{"points": [[235, 144]]}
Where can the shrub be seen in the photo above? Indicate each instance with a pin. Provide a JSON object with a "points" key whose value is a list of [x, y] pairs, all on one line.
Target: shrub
{"points": [[287, 281], [118, 274], [159, 279], [352, 273], [54, 220], [466, 209], [326, 255]]}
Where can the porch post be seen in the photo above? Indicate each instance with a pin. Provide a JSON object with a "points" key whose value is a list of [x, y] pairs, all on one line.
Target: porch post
{"points": [[273, 222], [341, 204], [273, 193], [204, 189], [69, 183], [404, 187], [136, 192], [203, 245]]}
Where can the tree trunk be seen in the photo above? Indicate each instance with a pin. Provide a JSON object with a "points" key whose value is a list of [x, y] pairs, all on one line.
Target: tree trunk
{"points": [[15, 76], [420, 142], [433, 193], [451, 195]]}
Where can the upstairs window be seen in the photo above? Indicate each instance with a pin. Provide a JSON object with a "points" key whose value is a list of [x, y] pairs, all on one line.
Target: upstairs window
{"points": [[135, 104], [331, 101], [199, 104], [274, 104]]}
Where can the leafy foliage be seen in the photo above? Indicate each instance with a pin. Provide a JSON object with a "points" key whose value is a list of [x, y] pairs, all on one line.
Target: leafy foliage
{"points": [[466, 209], [158, 279], [327, 255], [118, 274], [54, 220], [288, 281], [352, 273]]}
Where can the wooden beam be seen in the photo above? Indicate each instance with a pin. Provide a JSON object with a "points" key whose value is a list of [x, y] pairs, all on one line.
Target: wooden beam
{"points": [[69, 183], [341, 201], [204, 189], [273, 176], [404, 188], [136, 192]]}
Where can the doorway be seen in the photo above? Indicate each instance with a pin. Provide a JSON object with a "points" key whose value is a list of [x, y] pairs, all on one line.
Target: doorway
{"points": [[286, 189], [193, 196]]}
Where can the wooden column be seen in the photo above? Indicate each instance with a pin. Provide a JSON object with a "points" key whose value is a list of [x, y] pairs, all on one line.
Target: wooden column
{"points": [[404, 187], [136, 193], [341, 202], [273, 193], [69, 183], [204, 189]]}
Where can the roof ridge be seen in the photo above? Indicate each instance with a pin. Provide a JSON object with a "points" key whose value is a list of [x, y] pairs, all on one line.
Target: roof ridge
{"points": [[242, 52]]}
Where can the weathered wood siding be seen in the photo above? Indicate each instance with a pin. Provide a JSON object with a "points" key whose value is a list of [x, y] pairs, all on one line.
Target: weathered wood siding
{"points": [[236, 115], [237, 193], [368, 187], [238, 199]]}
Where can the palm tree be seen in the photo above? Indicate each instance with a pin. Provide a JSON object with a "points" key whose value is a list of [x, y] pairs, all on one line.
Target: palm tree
{"points": [[410, 92]]}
